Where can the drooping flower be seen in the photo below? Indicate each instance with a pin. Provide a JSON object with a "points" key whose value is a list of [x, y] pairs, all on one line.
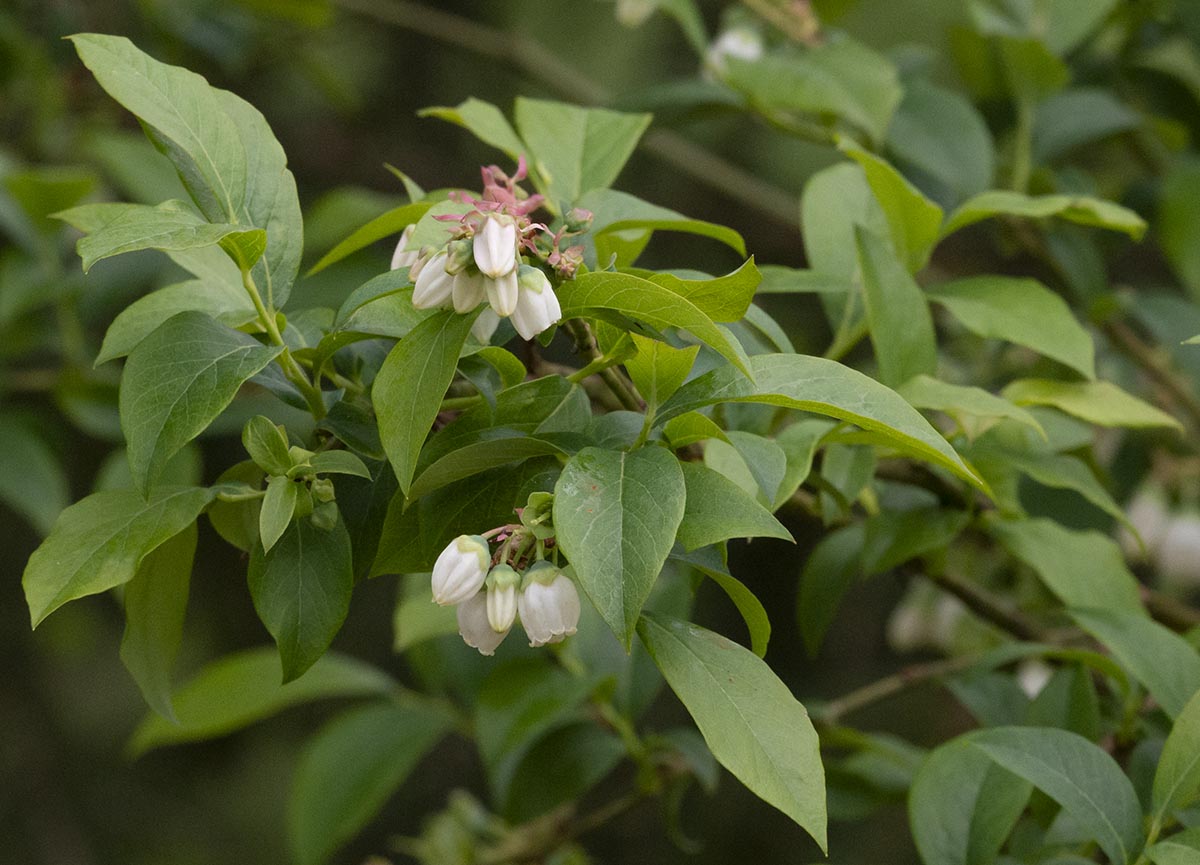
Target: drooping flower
{"points": [[404, 257], [474, 627], [503, 585], [548, 605], [495, 246], [434, 287], [503, 293], [469, 291], [537, 306], [485, 326], [460, 570]]}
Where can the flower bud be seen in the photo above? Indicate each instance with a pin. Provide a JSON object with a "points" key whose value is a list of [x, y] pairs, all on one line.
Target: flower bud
{"points": [[325, 516], [485, 326], [502, 293], [433, 286], [495, 246], [424, 254], [474, 627], [578, 220], [502, 588], [1178, 554], [537, 305], [460, 570], [458, 255], [469, 291], [403, 256], [548, 604], [322, 489]]}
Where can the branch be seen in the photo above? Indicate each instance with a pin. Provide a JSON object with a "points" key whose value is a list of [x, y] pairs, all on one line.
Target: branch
{"points": [[987, 606], [1157, 366], [585, 344], [888, 686]]}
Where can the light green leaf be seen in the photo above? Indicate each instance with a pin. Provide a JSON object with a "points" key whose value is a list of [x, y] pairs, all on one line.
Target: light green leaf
{"points": [[614, 211], [710, 562], [575, 150], [1083, 779], [753, 725], [690, 428], [615, 295], [98, 543], [32, 481], [898, 318], [1081, 209], [958, 401], [914, 219], [1182, 848], [350, 769], [1177, 779], [723, 298], [339, 462], [177, 381], [301, 591], [616, 515], [1160, 659], [1098, 402], [242, 688], [824, 387], [483, 120], [1178, 222], [155, 604], [267, 445], [411, 384], [1022, 311], [659, 369], [717, 509], [384, 225], [277, 507]]}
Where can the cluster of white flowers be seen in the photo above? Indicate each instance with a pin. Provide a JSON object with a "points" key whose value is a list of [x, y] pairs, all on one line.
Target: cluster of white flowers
{"points": [[1171, 538], [490, 598]]}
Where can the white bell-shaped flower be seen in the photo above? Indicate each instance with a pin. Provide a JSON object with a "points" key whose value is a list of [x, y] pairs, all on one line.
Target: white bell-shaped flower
{"points": [[460, 570], [469, 291], [503, 586], [403, 256], [1033, 675], [433, 286], [502, 293], [1178, 556], [740, 43], [485, 326], [495, 246], [548, 605], [537, 305], [475, 628]]}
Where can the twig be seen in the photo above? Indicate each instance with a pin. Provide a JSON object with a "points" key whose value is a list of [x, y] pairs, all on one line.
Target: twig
{"points": [[888, 686], [1173, 613], [987, 606], [585, 344], [1156, 366]]}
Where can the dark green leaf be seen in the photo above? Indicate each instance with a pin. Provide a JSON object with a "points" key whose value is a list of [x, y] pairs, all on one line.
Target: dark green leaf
{"points": [[1177, 779], [718, 509], [32, 482], [711, 562]]}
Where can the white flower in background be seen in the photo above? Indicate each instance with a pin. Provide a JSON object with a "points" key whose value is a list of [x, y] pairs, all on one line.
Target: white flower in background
{"points": [[434, 286], [404, 257], [460, 570], [548, 604], [633, 13], [742, 43], [503, 585], [485, 326], [1032, 676], [1150, 516], [495, 247], [502, 293], [474, 627], [537, 306], [1178, 556], [469, 291]]}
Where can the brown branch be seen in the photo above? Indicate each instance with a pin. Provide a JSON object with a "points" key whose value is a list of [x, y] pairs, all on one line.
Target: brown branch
{"points": [[889, 686], [987, 606]]}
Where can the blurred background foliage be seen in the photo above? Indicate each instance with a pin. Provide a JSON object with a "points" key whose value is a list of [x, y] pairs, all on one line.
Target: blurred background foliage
{"points": [[1114, 112]]}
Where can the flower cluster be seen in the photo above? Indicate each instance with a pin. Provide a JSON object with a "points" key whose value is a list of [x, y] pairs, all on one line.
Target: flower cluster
{"points": [[482, 261], [493, 590]]}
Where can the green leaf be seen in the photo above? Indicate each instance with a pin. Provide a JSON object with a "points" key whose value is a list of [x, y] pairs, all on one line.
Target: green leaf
{"points": [[1182, 848], [614, 211], [841, 77], [615, 295], [228, 304], [1084, 569], [242, 688], [171, 225], [914, 219], [710, 562], [894, 537], [277, 507], [1022, 311], [98, 543], [1177, 778], [829, 571], [384, 225], [562, 766], [339, 462], [409, 388], [835, 202], [350, 769], [723, 298], [659, 369], [1098, 402], [32, 482], [825, 387], [1077, 117], [616, 515], [1081, 209], [1160, 659], [898, 316], [416, 617], [1178, 221], [267, 445], [1084, 780], [718, 509], [575, 150], [753, 725], [177, 381], [155, 603], [483, 120], [471, 459], [961, 402], [690, 428], [962, 806], [301, 591]]}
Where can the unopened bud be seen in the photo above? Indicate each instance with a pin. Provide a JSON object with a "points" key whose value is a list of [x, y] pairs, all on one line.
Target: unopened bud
{"points": [[325, 516], [322, 489], [502, 586], [460, 570], [578, 220], [459, 255]]}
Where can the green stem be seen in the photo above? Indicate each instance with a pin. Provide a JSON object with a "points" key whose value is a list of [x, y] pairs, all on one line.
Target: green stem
{"points": [[1022, 164], [294, 372], [888, 686], [458, 403], [585, 344]]}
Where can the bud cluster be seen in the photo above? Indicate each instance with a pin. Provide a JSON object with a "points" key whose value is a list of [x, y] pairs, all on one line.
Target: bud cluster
{"points": [[493, 589], [482, 261]]}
